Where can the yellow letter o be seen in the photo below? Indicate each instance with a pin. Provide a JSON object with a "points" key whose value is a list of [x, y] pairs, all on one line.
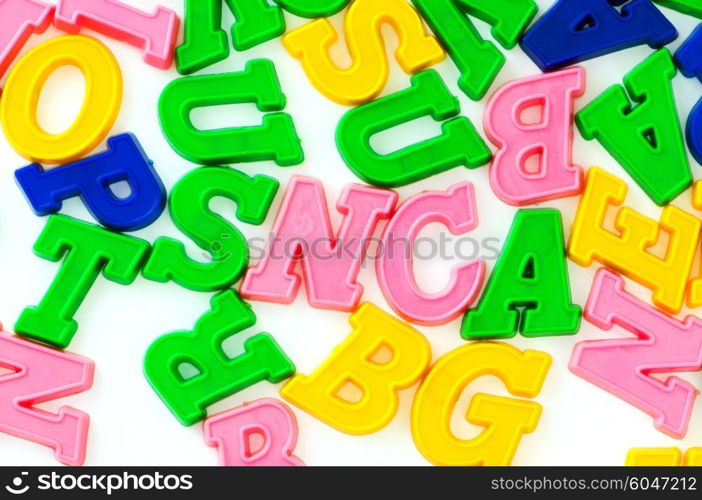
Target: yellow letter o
{"points": [[20, 99]]}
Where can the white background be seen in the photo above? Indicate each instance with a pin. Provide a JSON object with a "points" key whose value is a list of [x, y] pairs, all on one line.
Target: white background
{"points": [[581, 424]]}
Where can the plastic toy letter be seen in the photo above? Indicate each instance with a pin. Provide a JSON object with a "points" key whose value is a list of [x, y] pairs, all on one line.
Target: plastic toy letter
{"points": [[479, 61], [218, 375], [231, 431], [505, 420], [360, 362], [627, 251], [694, 290], [312, 9], [88, 250], [101, 104], [573, 31], [624, 367], [528, 290], [155, 33], [40, 374], [689, 7], [302, 232], [18, 20], [642, 132], [550, 140], [190, 210], [455, 209], [368, 73], [458, 144], [91, 178], [276, 139], [206, 42], [664, 457], [689, 59]]}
